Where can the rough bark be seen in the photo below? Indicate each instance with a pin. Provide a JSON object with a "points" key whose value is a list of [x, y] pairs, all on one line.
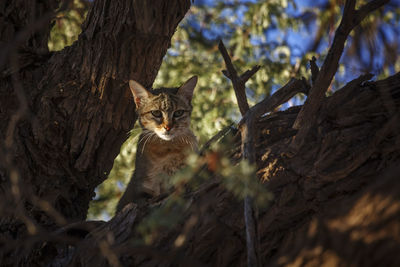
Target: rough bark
{"points": [[64, 115]]}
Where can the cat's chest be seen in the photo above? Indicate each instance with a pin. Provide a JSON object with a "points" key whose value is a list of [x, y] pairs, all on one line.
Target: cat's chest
{"points": [[167, 159]]}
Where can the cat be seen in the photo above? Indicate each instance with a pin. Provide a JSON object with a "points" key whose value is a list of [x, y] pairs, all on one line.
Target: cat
{"points": [[165, 141]]}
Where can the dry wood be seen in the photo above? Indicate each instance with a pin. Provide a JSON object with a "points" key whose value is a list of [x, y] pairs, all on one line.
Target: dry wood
{"points": [[247, 135], [282, 95], [307, 116], [314, 69], [97, 248], [246, 126], [237, 82], [336, 202]]}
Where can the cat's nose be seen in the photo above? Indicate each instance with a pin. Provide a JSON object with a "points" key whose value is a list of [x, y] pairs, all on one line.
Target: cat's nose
{"points": [[167, 127]]}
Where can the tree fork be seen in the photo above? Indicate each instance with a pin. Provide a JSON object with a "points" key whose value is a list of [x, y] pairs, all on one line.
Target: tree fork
{"points": [[78, 107], [323, 78], [246, 126], [247, 135]]}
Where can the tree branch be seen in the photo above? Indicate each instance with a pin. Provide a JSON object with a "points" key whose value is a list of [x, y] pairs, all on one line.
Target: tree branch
{"points": [[247, 133], [238, 82], [215, 138], [247, 129], [293, 87], [97, 249], [314, 70], [308, 114], [368, 8]]}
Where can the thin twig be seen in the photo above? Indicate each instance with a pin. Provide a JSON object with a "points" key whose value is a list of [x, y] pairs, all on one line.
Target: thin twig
{"points": [[314, 69], [215, 138]]}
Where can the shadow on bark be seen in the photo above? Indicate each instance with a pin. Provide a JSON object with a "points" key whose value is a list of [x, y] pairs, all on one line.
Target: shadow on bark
{"points": [[336, 202]]}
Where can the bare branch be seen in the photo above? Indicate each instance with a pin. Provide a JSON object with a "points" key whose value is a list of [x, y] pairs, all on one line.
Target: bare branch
{"points": [[293, 87], [247, 134], [368, 8], [248, 73], [251, 233], [246, 126], [307, 115], [98, 245], [215, 138], [238, 85], [250, 209], [349, 7], [314, 69]]}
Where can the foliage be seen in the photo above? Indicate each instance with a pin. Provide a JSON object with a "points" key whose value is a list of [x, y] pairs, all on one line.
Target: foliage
{"points": [[67, 25], [108, 193], [279, 35], [215, 165]]}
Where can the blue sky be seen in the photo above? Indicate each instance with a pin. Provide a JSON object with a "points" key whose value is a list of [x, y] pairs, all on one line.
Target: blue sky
{"points": [[301, 40]]}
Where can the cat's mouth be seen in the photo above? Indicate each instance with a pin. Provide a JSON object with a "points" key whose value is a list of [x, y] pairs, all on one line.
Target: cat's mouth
{"points": [[165, 135]]}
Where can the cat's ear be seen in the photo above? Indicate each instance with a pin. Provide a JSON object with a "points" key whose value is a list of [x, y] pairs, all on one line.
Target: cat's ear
{"points": [[186, 90], [140, 94]]}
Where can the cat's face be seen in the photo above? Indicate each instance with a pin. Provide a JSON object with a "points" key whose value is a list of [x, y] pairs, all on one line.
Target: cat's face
{"points": [[166, 111]]}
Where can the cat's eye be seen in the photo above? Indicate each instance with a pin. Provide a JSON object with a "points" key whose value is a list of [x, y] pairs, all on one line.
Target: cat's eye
{"points": [[178, 113], [156, 113]]}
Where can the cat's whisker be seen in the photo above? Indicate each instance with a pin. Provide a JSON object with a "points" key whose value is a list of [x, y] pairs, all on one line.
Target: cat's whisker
{"points": [[188, 141], [183, 140], [145, 134], [148, 138], [135, 132], [143, 137], [192, 145]]}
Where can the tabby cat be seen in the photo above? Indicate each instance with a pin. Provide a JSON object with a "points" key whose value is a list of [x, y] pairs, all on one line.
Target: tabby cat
{"points": [[166, 138]]}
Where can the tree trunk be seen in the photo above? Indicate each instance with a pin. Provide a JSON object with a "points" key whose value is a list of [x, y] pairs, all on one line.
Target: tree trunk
{"points": [[64, 115]]}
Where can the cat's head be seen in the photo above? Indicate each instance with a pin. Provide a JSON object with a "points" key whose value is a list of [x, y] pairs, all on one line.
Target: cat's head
{"points": [[164, 111]]}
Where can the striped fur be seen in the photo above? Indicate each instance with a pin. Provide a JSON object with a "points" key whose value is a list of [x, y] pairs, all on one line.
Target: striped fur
{"points": [[166, 139]]}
